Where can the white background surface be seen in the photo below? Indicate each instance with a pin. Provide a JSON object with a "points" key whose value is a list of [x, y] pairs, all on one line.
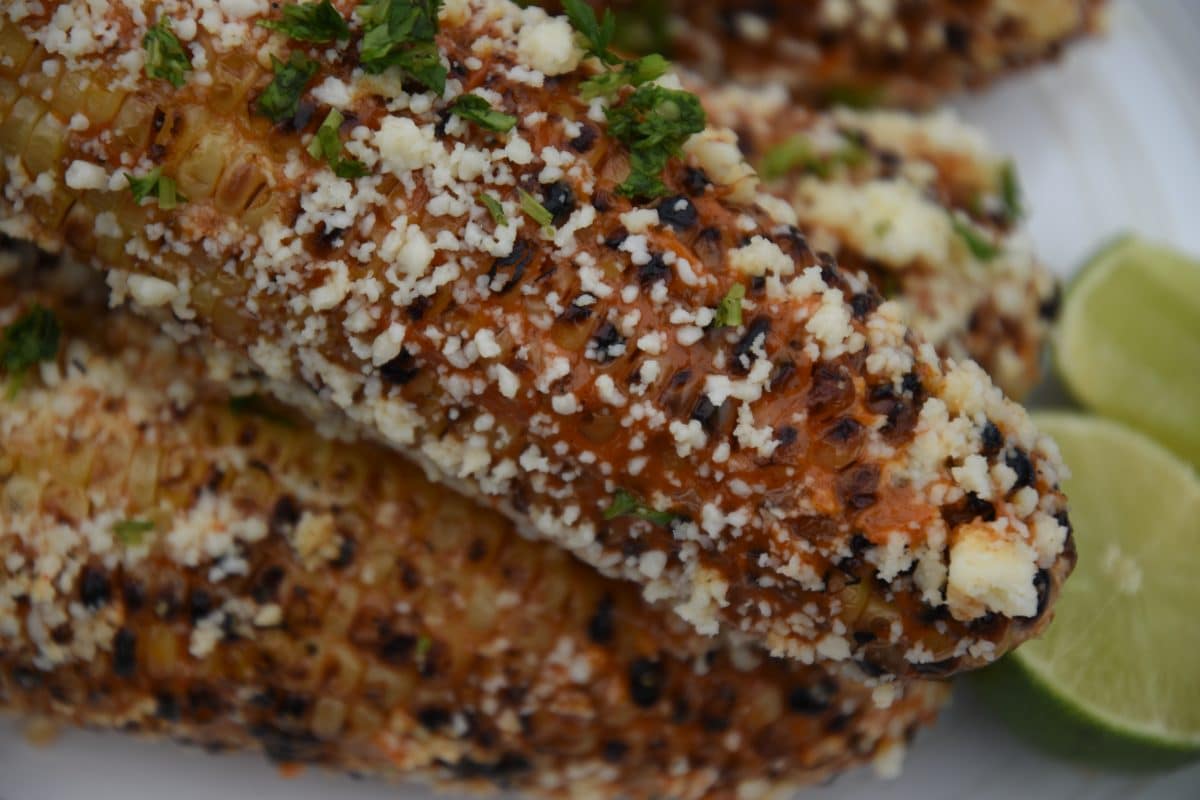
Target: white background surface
{"points": [[1107, 142]]}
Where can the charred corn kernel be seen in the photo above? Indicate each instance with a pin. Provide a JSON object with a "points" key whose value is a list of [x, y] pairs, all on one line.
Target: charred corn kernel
{"points": [[432, 641], [838, 52], [734, 472], [887, 193]]}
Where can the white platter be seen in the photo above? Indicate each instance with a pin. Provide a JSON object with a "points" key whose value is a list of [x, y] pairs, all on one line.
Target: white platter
{"points": [[1108, 141]]}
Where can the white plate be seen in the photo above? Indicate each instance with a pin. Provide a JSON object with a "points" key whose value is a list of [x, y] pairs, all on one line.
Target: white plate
{"points": [[1107, 142]]}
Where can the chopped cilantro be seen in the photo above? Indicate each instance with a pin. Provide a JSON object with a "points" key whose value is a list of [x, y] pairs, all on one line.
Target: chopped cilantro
{"points": [[400, 33], [631, 73], [281, 99], [32, 338], [494, 208], [327, 146], [653, 123], [538, 212], [729, 310], [475, 109], [979, 246], [597, 33], [165, 56], [424, 645], [1010, 192], [258, 406], [310, 22], [155, 184], [626, 504], [131, 531], [796, 152]]}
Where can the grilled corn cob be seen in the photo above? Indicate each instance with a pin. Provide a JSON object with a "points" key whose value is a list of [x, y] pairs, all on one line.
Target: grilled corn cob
{"points": [[921, 204], [677, 390], [172, 567], [907, 53]]}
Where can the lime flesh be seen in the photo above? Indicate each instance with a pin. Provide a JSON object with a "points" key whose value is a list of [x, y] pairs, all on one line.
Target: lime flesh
{"points": [[1115, 680], [1128, 341]]}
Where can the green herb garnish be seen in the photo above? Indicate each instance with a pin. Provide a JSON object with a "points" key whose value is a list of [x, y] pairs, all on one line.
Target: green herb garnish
{"points": [[854, 96], [310, 22], [796, 152], [32, 338], [327, 146], [257, 406], [980, 247], [165, 56], [131, 532], [494, 208], [625, 504], [729, 310], [400, 33], [653, 123], [475, 109], [597, 33], [538, 212], [155, 184], [1010, 192], [631, 73], [424, 645], [645, 29], [281, 99]]}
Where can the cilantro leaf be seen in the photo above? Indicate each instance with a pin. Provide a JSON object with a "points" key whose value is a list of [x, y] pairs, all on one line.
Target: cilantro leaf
{"points": [[597, 34], [310, 22], [796, 152], [494, 208], [1010, 192], [32, 338], [327, 146], [475, 109], [533, 207], [400, 33], [653, 122], [979, 246], [165, 56], [130, 532], [625, 504], [281, 99], [729, 310], [631, 73], [155, 184]]}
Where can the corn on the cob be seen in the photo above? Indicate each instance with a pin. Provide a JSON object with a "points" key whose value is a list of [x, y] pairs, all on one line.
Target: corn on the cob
{"points": [[920, 203], [907, 53], [816, 478], [170, 567]]}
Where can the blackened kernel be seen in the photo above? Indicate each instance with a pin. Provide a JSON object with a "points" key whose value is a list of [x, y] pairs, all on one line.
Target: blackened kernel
{"points": [[1018, 461], [605, 337], [705, 413], [396, 647], [476, 551], [654, 270], [433, 717], [864, 637], [575, 313], [1048, 309], [1041, 582], [26, 678], [870, 667], [586, 138], [510, 268], [602, 625], [124, 653], [911, 383], [614, 750], [695, 181], [958, 37], [863, 304], [200, 605], [786, 435], [859, 544], [857, 485], [784, 370], [646, 681], [559, 200], [831, 391], [991, 438], [756, 333], [758, 283], [94, 589], [845, 430], [813, 698], [1063, 519], [615, 239], [266, 585], [400, 370], [678, 212], [347, 551], [166, 707], [417, 308], [134, 595]]}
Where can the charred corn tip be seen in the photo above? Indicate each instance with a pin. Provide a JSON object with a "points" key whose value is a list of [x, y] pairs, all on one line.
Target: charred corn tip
{"points": [[804, 478], [176, 565]]}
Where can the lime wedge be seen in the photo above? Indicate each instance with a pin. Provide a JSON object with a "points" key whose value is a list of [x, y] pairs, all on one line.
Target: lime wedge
{"points": [[1128, 341], [1115, 680]]}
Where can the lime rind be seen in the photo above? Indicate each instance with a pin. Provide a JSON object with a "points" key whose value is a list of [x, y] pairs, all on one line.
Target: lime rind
{"points": [[1115, 681]]}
